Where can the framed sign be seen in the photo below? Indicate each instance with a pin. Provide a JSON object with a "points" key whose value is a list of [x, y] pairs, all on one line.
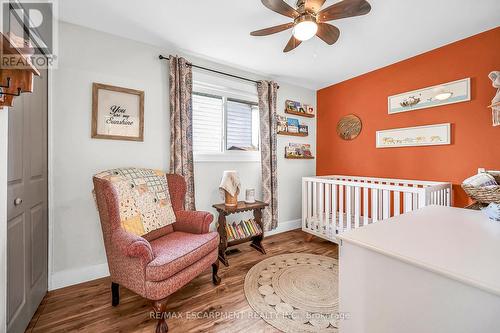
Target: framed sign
{"points": [[429, 135], [117, 113]]}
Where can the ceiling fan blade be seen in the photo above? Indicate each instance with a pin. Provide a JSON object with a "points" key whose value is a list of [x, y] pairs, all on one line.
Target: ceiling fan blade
{"points": [[272, 30], [343, 9], [314, 5], [281, 7], [292, 43], [328, 33]]}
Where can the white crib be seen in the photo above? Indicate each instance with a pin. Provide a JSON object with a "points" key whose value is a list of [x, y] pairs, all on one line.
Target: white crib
{"points": [[334, 204]]}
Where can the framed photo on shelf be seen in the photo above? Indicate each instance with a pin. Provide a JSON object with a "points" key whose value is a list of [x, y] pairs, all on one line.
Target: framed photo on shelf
{"points": [[117, 113], [309, 109]]}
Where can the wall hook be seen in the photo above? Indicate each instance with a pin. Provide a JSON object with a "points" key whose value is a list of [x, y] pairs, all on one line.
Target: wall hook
{"points": [[8, 86]]}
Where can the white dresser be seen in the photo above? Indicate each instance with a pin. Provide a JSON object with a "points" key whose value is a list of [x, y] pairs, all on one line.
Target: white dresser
{"points": [[436, 269]]}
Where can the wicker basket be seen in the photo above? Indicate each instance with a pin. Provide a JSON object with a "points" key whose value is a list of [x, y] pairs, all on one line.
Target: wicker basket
{"points": [[483, 194]]}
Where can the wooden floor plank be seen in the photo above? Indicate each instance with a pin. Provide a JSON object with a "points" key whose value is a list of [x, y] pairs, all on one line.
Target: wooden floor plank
{"points": [[198, 307]]}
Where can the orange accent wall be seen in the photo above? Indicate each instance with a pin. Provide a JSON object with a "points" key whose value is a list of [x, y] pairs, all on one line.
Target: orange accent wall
{"points": [[475, 142]]}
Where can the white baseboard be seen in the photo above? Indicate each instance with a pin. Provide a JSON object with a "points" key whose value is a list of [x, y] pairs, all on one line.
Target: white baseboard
{"points": [[285, 226], [74, 276]]}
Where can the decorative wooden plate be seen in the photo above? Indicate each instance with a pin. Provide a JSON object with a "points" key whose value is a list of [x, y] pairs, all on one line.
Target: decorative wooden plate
{"points": [[349, 127]]}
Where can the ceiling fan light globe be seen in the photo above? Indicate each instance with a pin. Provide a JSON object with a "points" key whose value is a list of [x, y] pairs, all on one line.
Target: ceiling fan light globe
{"points": [[305, 30]]}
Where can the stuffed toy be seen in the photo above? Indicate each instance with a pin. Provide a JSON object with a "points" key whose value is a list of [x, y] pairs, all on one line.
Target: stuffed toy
{"points": [[495, 103]]}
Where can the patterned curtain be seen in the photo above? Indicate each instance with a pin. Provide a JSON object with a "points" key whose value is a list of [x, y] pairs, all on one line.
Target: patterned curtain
{"points": [[181, 127], [267, 91]]}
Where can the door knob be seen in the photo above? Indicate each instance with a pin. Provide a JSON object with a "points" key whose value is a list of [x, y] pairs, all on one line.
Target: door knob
{"points": [[18, 201]]}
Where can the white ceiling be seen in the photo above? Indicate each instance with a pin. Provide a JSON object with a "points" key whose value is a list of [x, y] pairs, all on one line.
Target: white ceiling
{"points": [[219, 30]]}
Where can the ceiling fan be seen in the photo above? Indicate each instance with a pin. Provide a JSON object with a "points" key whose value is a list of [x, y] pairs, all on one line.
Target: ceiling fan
{"points": [[309, 20]]}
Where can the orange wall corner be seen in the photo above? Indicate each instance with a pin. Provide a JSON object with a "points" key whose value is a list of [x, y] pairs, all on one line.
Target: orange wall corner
{"points": [[475, 142]]}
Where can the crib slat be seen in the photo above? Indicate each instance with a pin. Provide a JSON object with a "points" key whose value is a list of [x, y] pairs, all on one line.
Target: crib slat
{"points": [[374, 206], [321, 198], [304, 203], [315, 206], [366, 202], [309, 204], [415, 200], [380, 204], [328, 200], [357, 203], [386, 204], [341, 208], [397, 206], [348, 206], [334, 209], [408, 204]]}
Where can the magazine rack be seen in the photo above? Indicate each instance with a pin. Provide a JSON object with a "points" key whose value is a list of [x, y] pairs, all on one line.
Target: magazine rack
{"points": [[256, 239]]}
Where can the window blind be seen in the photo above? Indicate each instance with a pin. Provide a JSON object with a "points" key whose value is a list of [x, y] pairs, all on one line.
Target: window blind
{"points": [[207, 123], [239, 125]]}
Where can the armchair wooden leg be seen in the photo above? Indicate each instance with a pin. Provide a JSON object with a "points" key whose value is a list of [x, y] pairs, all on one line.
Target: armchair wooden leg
{"points": [[160, 313], [115, 294], [215, 268]]}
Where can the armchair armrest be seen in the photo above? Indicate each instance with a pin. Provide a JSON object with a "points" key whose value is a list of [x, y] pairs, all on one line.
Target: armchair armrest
{"points": [[194, 222], [131, 245]]}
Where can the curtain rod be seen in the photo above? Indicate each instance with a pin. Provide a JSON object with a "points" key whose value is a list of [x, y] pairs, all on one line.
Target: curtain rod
{"points": [[214, 71]]}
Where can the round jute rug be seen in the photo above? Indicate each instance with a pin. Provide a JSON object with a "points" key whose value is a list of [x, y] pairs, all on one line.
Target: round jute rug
{"points": [[296, 292]]}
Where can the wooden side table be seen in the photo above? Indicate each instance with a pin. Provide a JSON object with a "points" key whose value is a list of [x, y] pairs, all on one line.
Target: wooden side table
{"points": [[256, 240]]}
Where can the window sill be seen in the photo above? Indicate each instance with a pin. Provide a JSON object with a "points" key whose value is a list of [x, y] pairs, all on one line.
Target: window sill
{"points": [[233, 156]]}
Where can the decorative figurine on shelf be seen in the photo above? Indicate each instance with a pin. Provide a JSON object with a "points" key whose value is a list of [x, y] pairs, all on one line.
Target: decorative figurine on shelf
{"points": [[230, 187], [495, 103]]}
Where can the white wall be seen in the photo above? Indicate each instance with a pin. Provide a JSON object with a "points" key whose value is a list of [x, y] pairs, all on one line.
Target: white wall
{"points": [[4, 122], [87, 56]]}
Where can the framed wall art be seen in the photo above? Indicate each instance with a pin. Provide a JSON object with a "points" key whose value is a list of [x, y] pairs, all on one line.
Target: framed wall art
{"points": [[117, 113], [442, 94], [429, 135], [349, 127]]}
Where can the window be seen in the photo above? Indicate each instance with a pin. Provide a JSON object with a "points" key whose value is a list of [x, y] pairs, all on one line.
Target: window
{"points": [[224, 127], [207, 123], [242, 125]]}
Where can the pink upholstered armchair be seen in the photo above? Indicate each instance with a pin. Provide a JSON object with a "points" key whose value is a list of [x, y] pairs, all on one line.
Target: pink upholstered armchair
{"points": [[161, 261]]}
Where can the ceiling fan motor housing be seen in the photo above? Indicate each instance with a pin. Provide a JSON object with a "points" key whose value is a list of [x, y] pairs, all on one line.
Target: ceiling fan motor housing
{"points": [[305, 17], [300, 3], [302, 9]]}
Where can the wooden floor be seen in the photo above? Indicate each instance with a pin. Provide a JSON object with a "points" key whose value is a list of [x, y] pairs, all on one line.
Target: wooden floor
{"points": [[197, 307]]}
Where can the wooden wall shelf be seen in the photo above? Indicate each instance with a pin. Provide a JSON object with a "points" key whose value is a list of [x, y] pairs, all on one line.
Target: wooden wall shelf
{"points": [[292, 134], [14, 79], [300, 114], [300, 158]]}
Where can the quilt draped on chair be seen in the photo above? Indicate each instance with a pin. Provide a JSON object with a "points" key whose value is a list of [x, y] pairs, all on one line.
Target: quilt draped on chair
{"points": [[267, 92], [181, 124]]}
